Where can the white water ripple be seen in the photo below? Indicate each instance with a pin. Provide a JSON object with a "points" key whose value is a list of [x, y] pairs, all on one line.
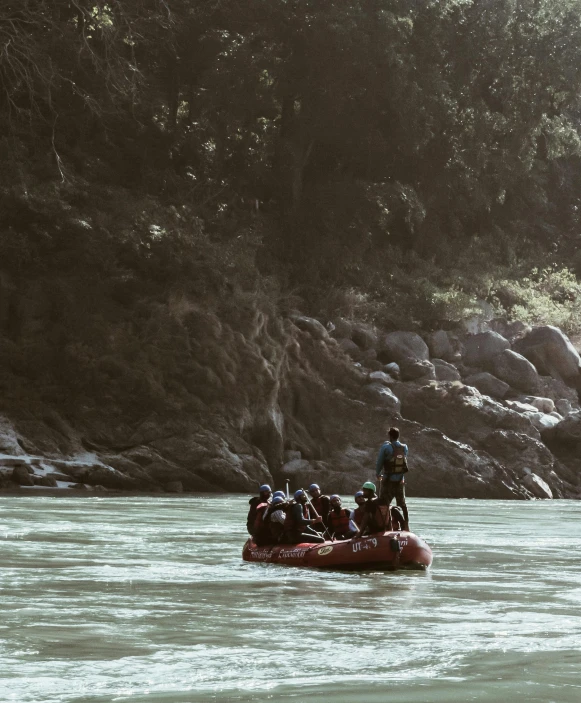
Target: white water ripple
{"points": [[147, 600]]}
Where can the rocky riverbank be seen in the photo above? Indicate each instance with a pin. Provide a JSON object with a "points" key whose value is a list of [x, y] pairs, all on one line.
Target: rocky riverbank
{"points": [[493, 414]]}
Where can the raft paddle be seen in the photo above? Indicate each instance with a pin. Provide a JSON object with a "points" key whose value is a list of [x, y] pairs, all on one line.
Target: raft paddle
{"points": [[326, 529]]}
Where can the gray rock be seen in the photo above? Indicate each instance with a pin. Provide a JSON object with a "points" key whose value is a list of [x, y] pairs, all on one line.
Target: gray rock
{"points": [[461, 412], [364, 335], [488, 384], [536, 485], [511, 330], [381, 377], [290, 468], [551, 352], [48, 481], [566, 435], [481, 348], [515, 370], [399, 346], [291, 455], [564, 407], [392, 369], [440, 345], [368, 356], [350, 348], [544, 405], [556, 389], [542, 421], [378, 394], [21, 476], [174, 487], [445, 371], [519, 451], [519, 407], [414, 369], [312, 326], [343, 328]]}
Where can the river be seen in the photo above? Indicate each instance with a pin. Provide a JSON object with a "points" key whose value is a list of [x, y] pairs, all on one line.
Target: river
{"points": [[147, 600]]}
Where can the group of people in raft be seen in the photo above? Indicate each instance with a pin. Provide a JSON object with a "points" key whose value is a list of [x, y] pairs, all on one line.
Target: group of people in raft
{"points": [[273, 518]]}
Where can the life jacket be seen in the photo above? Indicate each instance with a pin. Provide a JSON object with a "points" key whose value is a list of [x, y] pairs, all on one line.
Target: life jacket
{"points": [[290, 524], [258, 517], [338, 523], [381, 520], [397, 462], [253, 503], [322, 505], [358, 514]]}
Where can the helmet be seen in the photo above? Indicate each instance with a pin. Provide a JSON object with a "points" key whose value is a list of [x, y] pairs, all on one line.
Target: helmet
{"points": [[299, 493], [359, 494], [313, 487], [335, 497], [370, 486], [278, 493], [265, 488], [277, 500]]}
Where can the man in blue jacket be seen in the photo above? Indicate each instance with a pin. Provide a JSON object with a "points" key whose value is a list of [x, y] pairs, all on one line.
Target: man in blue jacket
{"points": [[390, 468]]}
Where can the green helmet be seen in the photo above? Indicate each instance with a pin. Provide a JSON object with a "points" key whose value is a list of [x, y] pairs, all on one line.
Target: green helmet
{"points": [[370, 486]]}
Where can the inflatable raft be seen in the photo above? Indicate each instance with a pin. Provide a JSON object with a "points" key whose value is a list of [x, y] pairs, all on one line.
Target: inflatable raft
{"points": [[385, 551]]}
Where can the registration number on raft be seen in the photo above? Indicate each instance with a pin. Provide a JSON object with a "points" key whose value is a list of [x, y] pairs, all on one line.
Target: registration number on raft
{"points": [[370, 543]]}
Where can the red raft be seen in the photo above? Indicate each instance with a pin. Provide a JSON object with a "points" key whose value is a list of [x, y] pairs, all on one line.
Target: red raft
{"points": [[385, 551]]}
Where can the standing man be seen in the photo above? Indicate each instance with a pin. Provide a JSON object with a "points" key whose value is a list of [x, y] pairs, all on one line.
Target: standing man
{"points": [[390, 468]]}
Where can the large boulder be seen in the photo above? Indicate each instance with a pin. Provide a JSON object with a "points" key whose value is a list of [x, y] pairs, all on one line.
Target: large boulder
{"points": [[515, 370], [440, 345], [556, 389], [399, 346], [364, 335], [312, 326], [551, 352], [445, 371], [379, 394], [544, 405], [488, 384], [21, 476], [442, 467], [518, 452], [460, 411], [536, 485], [414, 369], [349, 347], [479, 349], [565, 437]]}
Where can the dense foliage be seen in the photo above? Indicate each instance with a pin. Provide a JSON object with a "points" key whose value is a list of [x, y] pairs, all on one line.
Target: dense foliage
{"points": [[396, 159]]}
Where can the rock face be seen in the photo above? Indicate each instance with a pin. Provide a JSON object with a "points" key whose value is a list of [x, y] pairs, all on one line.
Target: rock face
{"points": [[551, 352], [273, 399]]}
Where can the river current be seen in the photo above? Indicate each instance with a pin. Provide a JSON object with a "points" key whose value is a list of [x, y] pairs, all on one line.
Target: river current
{"points": [[147, 600]]}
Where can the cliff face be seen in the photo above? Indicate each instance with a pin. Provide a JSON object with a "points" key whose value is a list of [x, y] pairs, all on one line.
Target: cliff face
{"points": [[243, 395]]}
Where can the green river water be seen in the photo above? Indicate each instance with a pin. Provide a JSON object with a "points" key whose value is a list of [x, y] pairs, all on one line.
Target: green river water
{"points": [[147, 600]]}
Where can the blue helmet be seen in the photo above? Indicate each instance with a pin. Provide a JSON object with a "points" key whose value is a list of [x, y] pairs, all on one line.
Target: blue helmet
{"points": [[335, 497], [299, 493], [313, 487], [359, 494], [282, 494], [265, 488], [277, 500]]}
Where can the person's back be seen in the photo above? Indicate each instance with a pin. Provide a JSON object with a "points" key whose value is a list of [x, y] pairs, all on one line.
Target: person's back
{"points": [[391, 467], [263, 497]]}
